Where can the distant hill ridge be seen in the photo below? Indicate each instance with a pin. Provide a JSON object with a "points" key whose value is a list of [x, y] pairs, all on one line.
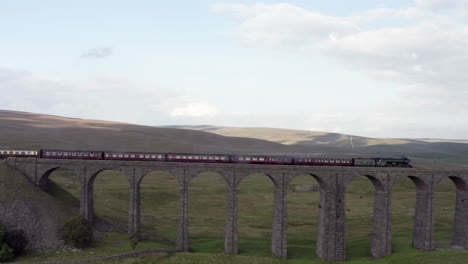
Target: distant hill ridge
{"points": [[30, 130]]}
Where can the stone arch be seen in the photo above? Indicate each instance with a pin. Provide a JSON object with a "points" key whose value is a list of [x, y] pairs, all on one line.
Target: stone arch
{"points": [[455, 213], [320, 179], [65, 184], [160, 188], [377, 179], [300, 222], [207, 206], [44, 174], [460, 225], [270, 175], [257, 227], [379, 213], [116, 189], [459, 182], [407, 191], [420, 184], [93, 173], [226, 176]]}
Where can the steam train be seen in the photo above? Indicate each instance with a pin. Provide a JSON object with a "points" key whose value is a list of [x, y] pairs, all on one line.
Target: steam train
{"points": [[208, 158]]}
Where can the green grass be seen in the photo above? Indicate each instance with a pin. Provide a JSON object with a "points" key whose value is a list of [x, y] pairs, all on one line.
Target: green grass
{"points": [[110, 244], [207, 219]]}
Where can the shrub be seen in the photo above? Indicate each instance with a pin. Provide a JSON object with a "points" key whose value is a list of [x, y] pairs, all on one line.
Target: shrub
{"points": [[77, 232], [6, 252], [17, 240], [135, 238]]}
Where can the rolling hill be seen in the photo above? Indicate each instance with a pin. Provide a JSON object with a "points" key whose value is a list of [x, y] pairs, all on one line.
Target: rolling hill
{"points": [[30, 130]]}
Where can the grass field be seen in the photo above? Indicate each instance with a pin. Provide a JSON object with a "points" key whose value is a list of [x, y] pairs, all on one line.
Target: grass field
{"points": [[207, 206]]}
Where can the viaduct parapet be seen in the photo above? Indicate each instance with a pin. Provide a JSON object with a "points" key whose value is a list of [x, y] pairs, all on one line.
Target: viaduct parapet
{"points": [[332, 180]]}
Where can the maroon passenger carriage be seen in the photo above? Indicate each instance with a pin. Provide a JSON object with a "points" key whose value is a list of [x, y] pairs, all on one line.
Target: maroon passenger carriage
{"points": [[70, 154], [194, 157], [261, 159], [322, 161], [143, 156]]}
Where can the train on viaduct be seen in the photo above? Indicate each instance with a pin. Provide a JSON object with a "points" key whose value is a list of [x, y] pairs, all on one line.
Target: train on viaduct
{"points": [[333, 181]]}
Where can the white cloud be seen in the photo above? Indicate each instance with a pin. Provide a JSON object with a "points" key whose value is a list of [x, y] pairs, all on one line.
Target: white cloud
{"points": [[371, 15], [98, 53], [194, 110], [284, 23], [96, 98], [433, 52], [427, 59], [441, 4]]}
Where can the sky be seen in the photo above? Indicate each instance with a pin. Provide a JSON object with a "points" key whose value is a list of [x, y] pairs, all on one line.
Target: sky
{"points": [[370, 68]]}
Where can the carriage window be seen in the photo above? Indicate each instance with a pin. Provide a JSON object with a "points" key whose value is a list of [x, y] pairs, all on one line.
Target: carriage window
{"points": [[261, 159], [241, 158], [247, 158]]}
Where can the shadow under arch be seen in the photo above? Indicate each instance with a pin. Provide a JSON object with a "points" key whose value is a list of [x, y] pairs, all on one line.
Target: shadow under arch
{"points": [[256, 192], [64, 184], [44, 177], [207, 192], [460, 184], [303, 209], [159, 206], [420, 184]]}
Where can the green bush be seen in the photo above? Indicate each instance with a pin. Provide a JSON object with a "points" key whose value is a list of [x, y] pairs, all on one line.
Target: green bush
{"points": [[77, 232], [17, 240], [6, 252]]}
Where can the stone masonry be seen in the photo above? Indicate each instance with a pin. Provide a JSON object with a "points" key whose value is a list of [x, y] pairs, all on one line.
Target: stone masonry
{"points": [[332, 180]]}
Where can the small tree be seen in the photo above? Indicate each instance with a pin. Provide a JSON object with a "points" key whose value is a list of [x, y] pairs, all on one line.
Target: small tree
{"points": [[6, 252], [135, 238], [77, 232]]}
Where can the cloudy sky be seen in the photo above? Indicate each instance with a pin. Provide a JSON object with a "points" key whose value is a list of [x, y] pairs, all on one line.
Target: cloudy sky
{"points": [[373, 68]]}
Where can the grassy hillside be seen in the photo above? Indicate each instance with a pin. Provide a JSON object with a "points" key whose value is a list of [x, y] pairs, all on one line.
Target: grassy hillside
{"points": [[28, 130], [306, 137]]}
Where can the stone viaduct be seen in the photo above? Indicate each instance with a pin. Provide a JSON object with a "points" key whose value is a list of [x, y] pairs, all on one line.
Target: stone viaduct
{"points": [[332, 180]]}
